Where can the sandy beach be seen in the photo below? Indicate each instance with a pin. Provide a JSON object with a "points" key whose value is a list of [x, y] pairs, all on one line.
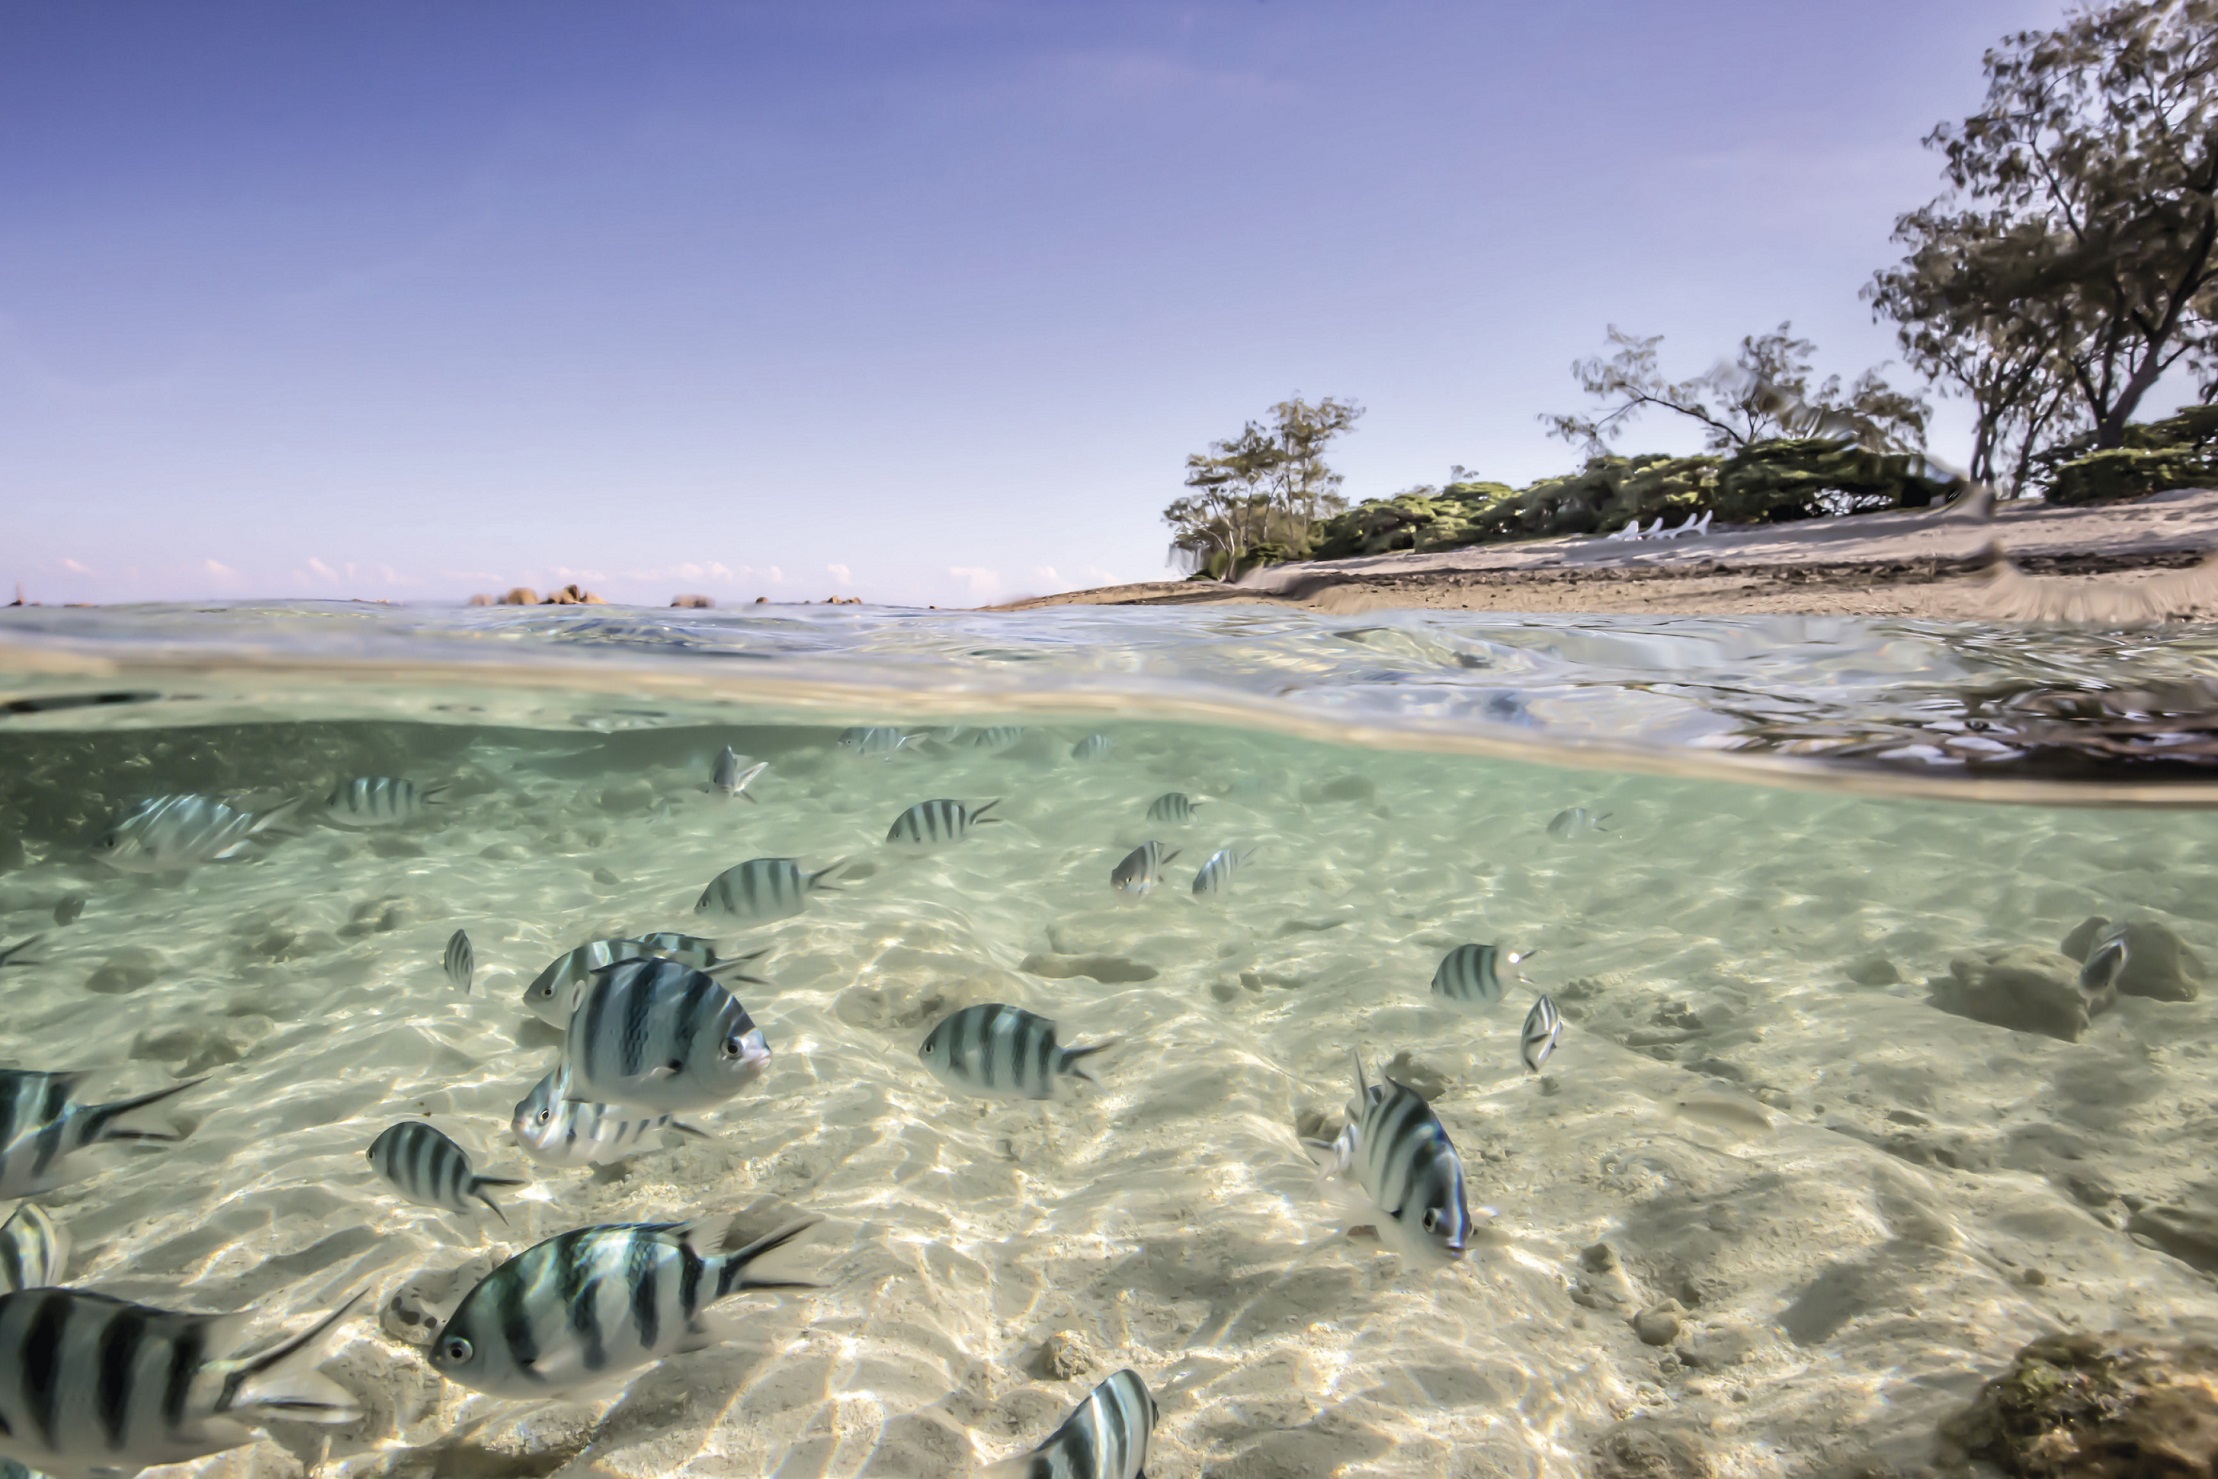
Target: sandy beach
{"points": [[1915, 564]]}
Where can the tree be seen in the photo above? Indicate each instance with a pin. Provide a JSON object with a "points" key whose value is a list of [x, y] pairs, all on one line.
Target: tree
{"points": [[1263, 492], [1764, 395], [2092, 173]]}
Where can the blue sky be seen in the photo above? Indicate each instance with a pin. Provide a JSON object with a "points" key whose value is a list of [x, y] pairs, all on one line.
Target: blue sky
{"points": [[920, 301]]}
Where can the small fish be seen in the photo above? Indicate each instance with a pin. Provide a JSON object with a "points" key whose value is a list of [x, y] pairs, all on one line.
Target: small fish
{"points": [[995, 738], [1105, 1437], [8, 956], [93, 1387], [1473, 973], [1141, 869], [1172, 806], [553, 994], [165, 833], [377, 801], [930, 822], [460, 961], [42, 1126], [1003, 1050], [560, 1131], [1576, 821], [659, 1035], [2105, 962], [763, 889], [589, 1305], [1543, 1030], [1216, 875], [727, 777], [1396, 1149], [1092, 747], [428, 1168], [873, 739], [33, 1249]]}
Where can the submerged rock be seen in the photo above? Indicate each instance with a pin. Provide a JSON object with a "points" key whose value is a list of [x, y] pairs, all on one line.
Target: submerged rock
{"points": [[2158, 963], [1873, 970], [1641, 1449], [2017, 986], [126, 970], [2094, 1407], [2187, 1233]]}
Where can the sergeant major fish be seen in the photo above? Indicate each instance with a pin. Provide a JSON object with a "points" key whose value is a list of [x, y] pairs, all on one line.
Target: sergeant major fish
{"points": [[930, 822], [33, 1249], [1141, 869], [1092, 747], [460, 961], [42, 1127], [872, 739], [378, 801], [763, 889], [93, 1387], [727, 777], [428, 1168], [1004, 1051], [1576, 821], [585, 1307], [1105, 1437], [1543, 1030], [560, 1131], [1172, 806], [2106, 962], [1216, 875], [165, 833], [995, 738], [1396, 1149], [1473, 973], [553, 993], [658, 1035]]}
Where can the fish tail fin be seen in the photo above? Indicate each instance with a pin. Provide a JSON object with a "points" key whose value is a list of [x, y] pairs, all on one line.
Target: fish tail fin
{"points": [[275, 815], [1362, 1084], [8, 956], [685, 1129], [302, 1395], [478, 1185], [1172, 854], [100, 1118], [1072, 1057], [978, 813], [735, 1265], [747, 796], [819, 877]]}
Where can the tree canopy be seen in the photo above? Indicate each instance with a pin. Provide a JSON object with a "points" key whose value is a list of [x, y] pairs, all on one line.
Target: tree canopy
{"points": [[1259, 495]]}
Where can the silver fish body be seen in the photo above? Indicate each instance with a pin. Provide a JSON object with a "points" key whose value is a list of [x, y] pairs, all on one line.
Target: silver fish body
{"points": [[1092, 747], [762, 890], [1142, 868], [1004, 1051], [42, 1127], [1543, 1030], [1223, 866], [995, 738], [1172, 806], [93, 1387], [557, 1130], [1576, 821], [587, 1306], [1105, 1437], [929, 823], [1396, 1149], [873, 739], [1473, 974], [33, 1249], [660, 1036], [165, 833], [729, 777], [377, 801], [460, 961], [2106, 961], [426, 1167], [553, 994]]}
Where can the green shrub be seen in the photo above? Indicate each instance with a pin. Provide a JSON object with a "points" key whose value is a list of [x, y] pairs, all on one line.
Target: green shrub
{"points": [[2127, 472]]}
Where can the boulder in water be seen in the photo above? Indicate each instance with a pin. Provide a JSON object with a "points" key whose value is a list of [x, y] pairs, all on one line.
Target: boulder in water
{"points": [[2020, 987], [2094, 1407]]}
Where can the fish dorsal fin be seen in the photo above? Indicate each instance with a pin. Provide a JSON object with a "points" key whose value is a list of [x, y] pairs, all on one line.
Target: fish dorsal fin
{"points": [[1362, 1084]]}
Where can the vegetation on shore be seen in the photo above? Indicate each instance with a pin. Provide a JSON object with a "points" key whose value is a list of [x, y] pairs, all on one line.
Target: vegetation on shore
{"points": [[2071, 265]]}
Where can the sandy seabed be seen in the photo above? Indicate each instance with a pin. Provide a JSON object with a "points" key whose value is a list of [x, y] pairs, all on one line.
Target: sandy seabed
{"points": [[1860, 1204]]}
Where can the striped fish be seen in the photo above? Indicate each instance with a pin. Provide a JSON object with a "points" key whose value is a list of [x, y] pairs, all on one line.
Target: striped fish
{"points": [[1395, 1148], [42, 1126], [1105, 1437], [1543, 1030], [2105, 962], [553, 994], [460, 961], [1141, 869], [1172, 806], [93, 1387], [165, 833], [1092, 747], [587, 1306], [10, 955], [1473, 973], [1004, 1051], [1576, 821], [428, 1168], [660, 1036], [930, 822], [560, 1131], [727, 776], [763, 889], [377, 801], [33, 1249], [1217, 874], [995, 738], [872, 739]]}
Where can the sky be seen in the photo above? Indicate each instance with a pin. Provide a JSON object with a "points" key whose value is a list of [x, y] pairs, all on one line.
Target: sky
{"points": [[924, 301]]}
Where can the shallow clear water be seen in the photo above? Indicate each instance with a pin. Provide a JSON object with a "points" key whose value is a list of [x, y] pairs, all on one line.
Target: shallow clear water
{"points": [[1862, 1204]]}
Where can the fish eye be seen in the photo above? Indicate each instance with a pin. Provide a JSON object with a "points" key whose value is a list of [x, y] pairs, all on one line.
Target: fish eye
{"points": [[545, 1114], [456, 1349], [1432, 1219], [733, 1046]]}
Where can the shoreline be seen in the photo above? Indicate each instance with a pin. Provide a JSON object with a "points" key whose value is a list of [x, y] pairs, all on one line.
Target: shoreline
{"points": [[1914, 564]]}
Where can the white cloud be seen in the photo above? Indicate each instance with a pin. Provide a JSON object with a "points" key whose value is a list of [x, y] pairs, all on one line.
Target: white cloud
{"points": [[322, 569], [1045, 576], [777, 576], [984, 584], [842, 574], [74, 568], [220, 570]]}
